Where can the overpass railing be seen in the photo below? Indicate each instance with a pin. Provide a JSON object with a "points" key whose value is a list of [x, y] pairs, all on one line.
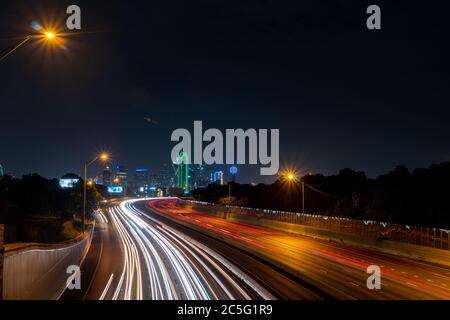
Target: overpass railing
{"points": [[373, 230]]}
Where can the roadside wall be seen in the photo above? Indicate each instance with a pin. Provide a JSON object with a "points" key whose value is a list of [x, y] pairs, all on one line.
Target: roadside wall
{"points": [[40, 272]]}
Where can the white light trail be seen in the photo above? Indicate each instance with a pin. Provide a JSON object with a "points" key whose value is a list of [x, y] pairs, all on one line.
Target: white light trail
{"points": [[160, 263], [105, 291]]}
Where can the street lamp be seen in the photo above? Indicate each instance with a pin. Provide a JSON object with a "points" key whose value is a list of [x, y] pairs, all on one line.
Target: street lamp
{"points": [[291, 177], [102, 157], [48, 35]]}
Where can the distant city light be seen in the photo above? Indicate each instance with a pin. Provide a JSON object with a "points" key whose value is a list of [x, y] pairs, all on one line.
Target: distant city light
{"points": [[217, 177], [115, 189], [68, 183]]}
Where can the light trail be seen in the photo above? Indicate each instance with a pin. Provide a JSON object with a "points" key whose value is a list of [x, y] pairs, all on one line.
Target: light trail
{"points": [[338, 270], [107, 287], [160, 263]]}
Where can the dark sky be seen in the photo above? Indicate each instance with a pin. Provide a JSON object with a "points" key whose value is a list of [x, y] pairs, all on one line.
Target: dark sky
{"points": [[341, 95]]}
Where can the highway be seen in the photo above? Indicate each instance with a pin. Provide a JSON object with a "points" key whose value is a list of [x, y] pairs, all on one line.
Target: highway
{"points": [[135, 257], [337, 270], [160, 249]]}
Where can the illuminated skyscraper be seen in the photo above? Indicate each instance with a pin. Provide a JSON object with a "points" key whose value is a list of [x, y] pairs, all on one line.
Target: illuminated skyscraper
{"points": [[217, 177], [142, 177], [1, 171], [121, 177], [198, 176], [183, 171], [106, 177], [166, 177]]}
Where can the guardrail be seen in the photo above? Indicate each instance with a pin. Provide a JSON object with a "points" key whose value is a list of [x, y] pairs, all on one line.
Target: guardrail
{"points": [[369, 230], [40, 272]]}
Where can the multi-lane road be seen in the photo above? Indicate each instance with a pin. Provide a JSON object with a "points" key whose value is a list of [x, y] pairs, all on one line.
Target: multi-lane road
{"points": [[134, 257], [163, 249]]}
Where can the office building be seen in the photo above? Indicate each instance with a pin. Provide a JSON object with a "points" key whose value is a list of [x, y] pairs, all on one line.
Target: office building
{"points": [[217, 177], [107, 177]]}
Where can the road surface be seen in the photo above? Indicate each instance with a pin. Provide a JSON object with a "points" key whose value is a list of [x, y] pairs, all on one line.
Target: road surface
{"points": [[162, 249], [337, 270], [134, 256]]}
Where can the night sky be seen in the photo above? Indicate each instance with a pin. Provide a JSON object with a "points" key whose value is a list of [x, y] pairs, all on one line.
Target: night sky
{"points": [[341, 95]]}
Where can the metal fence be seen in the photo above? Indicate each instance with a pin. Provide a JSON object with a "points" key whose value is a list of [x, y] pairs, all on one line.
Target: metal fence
{"points": [[370, 230]]}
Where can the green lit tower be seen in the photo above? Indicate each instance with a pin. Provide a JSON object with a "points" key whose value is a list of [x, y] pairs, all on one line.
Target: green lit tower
{"points": [[183, 171]]}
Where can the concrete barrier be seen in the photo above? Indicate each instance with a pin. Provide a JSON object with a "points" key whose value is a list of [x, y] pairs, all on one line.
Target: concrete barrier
{"points": [[346, 236], [39, 272]]}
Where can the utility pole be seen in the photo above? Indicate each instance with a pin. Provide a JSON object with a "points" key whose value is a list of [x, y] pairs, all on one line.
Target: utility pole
{"points": [[303, 197], [103, 157], [83, 218]]}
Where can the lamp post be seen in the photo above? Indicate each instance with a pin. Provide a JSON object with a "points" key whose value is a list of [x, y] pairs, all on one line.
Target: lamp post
{"points": [[303, 196], [102, 157], [9, 51], [292, 177], [50, 36]]}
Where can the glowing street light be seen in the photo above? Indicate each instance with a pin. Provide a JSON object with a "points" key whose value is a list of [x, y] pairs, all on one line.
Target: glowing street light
{"points": [[102, 157], [289, 175], [50, 35]]}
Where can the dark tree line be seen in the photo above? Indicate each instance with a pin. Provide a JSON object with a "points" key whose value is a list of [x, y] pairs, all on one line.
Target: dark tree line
{"points": [[36, 209], [420, 197]]}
